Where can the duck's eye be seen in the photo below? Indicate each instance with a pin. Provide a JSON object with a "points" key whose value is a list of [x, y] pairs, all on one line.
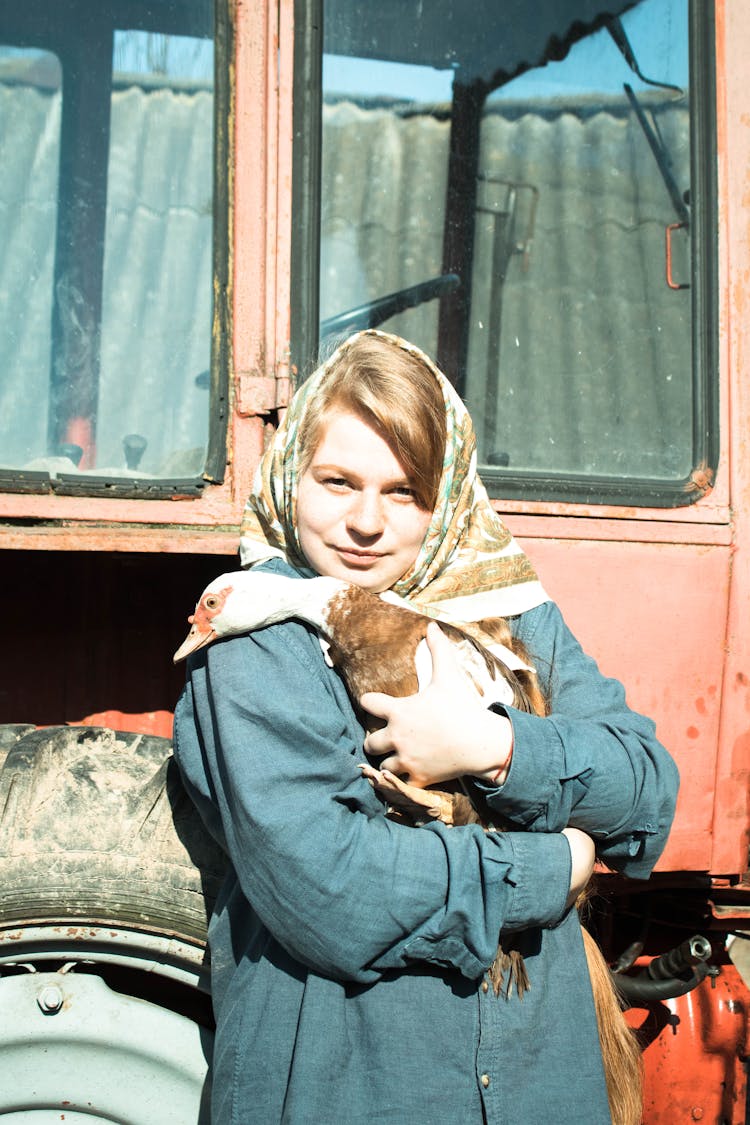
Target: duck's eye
{"points": [[211, 602]]}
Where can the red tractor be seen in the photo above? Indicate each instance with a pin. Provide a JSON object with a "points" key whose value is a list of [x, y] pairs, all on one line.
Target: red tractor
{"points": [[553, 200]]}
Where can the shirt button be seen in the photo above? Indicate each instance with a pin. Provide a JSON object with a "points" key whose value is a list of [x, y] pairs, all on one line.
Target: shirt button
{"points": [[485, 986], [485, 1080]]}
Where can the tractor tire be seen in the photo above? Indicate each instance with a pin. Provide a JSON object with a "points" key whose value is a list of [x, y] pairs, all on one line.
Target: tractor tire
{"points": [[107, 878], [96, 826]]}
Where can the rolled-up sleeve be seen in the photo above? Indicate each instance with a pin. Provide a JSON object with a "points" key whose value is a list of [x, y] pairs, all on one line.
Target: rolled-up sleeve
{"points": [[269, 754], [593, 762]]}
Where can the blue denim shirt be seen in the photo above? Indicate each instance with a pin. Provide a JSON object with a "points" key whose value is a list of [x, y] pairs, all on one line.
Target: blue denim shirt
{"points": [[349, 953]]}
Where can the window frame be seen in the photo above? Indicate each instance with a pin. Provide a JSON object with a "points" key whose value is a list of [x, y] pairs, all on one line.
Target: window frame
{"points": [[537, 487], [656, 493], [28, 31]]}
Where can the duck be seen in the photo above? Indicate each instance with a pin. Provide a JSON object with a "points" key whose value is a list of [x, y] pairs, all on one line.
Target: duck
{"points": [[377, 642]]}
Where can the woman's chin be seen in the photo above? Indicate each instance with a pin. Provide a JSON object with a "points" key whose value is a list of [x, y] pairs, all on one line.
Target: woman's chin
{"points": [[369, 577]]}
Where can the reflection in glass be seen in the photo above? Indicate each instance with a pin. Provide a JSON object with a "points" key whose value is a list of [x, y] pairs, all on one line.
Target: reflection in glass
{"points": [[580, 351], [30, 97], [107, 234], [556, 188], [156, 308], [381, 216]]}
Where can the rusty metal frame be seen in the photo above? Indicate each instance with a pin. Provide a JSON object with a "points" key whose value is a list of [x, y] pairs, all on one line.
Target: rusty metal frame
{"points": [[251, 327]]}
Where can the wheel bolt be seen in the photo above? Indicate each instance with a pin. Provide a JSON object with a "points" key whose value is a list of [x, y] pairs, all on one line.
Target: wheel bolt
{"points": [[50, 999]]}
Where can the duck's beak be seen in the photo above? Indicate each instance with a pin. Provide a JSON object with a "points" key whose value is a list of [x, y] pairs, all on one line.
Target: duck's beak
{"points": [[195, 639]]}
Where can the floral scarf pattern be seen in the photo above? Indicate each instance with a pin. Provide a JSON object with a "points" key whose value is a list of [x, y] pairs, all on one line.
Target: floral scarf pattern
{"points": [[469, 566]]}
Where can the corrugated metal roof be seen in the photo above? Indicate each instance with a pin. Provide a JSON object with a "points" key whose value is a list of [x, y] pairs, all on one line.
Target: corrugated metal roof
{"points": [[384, 179], [609, 343]]}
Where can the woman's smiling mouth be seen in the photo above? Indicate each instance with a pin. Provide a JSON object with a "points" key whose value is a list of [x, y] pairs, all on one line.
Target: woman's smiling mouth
{"points": [[357, 556]]}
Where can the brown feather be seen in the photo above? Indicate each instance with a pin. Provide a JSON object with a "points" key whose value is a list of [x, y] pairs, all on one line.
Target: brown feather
{"points": [[374, 642]]}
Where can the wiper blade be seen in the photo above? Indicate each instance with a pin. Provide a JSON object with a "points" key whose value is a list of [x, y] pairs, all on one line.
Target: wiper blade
{"points": [[662, 157], [617, 31]]}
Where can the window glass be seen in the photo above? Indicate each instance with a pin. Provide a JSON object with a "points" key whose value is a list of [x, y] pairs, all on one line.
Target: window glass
{"points": [[579, 358], [384, 161], [156, 295], [30, 93], [108, 242], [539, 164]]}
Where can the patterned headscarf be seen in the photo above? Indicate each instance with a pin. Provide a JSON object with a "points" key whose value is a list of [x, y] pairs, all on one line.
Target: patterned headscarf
{"points": [[469, 566]]}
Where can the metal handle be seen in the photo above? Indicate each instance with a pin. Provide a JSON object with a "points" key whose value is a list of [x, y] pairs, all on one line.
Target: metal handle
{"points": [[668, 235]]}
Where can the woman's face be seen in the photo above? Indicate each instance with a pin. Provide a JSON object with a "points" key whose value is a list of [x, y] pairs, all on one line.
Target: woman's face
{"points": [[357, 515]]}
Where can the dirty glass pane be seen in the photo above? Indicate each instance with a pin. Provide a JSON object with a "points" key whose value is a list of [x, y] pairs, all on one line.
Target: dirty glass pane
{"points": [[579, 358], [381, 215], [157, 282], [30, 99], [111, 231], [541, 154]]}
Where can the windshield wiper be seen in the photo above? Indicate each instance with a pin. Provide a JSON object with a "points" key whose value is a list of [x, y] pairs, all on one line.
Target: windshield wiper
{"points": [[650, 132], [617, 31], [661, 156]]}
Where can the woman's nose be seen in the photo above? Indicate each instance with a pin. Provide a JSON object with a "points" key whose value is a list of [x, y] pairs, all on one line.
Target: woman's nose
{"points": [[365, 515]]}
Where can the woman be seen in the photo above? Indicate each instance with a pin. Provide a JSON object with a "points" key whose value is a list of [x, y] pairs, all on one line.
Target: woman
{"points": [[349, 953]]}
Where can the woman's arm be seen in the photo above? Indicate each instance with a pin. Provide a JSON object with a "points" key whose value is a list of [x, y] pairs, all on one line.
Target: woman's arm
{"points": [[269, 747], [592, 763]]}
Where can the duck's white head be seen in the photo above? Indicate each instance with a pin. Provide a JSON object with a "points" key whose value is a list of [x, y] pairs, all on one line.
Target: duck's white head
{"points": [[244, 600]]}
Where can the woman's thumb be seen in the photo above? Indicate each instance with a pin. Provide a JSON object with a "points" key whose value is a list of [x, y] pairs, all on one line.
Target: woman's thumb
{"points": [[442, 651]]}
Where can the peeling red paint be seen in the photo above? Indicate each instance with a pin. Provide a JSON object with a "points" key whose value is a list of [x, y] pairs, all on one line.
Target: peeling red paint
{"points": [[149, 722]]}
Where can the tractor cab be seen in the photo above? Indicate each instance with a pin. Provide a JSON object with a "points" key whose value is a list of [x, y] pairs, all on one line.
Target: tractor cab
{"points": [[482, 181], [202, 197]]}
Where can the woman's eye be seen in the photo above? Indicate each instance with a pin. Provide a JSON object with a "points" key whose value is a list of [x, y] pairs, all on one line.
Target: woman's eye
{"points": [[336, 482], [405, 491]]}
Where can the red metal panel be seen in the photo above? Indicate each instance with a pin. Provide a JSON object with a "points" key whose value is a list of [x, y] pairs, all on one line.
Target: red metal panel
{"points": [[695, 1048], [733, 767], [147, 722]]}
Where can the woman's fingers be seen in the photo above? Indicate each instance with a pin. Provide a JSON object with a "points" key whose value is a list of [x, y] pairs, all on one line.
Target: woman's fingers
{"points": [[443, 731], [377, 704]]}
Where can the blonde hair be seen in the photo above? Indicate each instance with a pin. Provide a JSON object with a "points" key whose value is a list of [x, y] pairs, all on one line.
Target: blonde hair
{"points": [[396, 393]]}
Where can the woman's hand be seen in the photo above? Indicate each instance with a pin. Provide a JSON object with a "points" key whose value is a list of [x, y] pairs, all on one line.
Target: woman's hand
{"points": [[444, 731]]}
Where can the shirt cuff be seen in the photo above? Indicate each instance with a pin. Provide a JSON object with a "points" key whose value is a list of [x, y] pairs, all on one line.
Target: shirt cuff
{"points": [[534, 771], [540, 874]]}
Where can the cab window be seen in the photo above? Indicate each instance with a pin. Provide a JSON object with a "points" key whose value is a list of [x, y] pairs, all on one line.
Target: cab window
{"points": [[533, 202], [109, 261]]}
